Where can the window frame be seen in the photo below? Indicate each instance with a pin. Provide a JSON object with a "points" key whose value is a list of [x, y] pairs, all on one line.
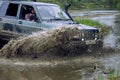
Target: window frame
{"points": [[3, 9], [9, 13], [25, 12]]}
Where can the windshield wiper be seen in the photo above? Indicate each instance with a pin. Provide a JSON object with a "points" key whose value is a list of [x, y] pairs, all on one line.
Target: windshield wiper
{"points": [[67, 19], [57, 18]]}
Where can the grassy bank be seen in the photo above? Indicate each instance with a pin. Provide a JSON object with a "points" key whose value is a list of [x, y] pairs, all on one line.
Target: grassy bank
{"points": [[104, 29]]}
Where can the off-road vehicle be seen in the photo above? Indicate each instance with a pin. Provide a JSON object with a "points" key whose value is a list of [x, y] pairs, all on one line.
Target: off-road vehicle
{"points": [[47, 16]]}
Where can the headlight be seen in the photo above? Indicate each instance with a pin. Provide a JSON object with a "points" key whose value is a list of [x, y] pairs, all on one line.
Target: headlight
{"points": [[83, 39], [95, 38]]}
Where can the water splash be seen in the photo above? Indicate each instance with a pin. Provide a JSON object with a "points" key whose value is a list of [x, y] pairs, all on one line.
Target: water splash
{"points": [[110, 40], [48, 42]]}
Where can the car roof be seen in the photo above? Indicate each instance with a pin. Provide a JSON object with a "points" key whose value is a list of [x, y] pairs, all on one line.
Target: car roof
{"points": [[31, 3]]}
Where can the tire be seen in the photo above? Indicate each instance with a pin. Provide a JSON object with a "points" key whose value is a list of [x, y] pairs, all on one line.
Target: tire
{"points": [[97, 47], [2, 43]]}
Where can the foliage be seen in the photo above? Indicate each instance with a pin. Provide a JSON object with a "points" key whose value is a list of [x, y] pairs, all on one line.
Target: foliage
{"points": [[118, 5], [87, 4], [105, 30]]}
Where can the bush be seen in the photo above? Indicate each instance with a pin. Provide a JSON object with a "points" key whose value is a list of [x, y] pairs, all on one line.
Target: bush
{"points": [[118, 5]]}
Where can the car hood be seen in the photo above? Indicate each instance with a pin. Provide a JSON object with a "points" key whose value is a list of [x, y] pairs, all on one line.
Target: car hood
{"points": [[67, 24]]}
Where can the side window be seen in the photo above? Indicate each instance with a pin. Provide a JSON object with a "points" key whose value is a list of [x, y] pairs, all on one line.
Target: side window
{"points": [[27, 13], [12, 10]]}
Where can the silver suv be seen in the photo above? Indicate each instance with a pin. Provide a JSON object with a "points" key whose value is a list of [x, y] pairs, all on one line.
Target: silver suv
{"points": [[13, 22]]}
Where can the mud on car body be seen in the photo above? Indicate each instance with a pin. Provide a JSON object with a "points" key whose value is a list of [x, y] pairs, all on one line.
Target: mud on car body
{"points": [[47, 16]]}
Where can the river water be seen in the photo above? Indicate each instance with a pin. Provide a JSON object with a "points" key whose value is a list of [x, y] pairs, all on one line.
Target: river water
{"points": [[69, 68]]}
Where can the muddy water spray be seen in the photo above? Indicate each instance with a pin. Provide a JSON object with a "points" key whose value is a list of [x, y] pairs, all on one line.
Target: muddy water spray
{"points": [[49, 42]]}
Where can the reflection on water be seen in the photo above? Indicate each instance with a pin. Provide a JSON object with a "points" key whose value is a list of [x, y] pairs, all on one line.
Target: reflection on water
{"points": [[46, 70]]}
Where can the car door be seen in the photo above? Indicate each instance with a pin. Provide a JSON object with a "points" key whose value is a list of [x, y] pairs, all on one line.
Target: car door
{"points": [[26, 26], [8, 16]]}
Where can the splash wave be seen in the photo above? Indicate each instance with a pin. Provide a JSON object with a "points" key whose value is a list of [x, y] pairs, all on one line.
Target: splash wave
{"points": [[53, 42]]}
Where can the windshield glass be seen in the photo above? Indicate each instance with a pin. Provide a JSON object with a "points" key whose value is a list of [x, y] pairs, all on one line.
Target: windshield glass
{"points": [[52, 12]]}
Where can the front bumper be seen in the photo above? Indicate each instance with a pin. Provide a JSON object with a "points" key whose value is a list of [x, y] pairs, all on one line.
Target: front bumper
{"points": [[85, 43]]}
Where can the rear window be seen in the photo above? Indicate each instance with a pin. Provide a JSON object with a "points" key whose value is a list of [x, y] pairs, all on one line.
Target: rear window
{"points": [[12, 10]]}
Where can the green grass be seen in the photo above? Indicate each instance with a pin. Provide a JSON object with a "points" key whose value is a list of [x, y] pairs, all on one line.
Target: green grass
{"points": [[87, 22], [111, 74], [104, 29]]}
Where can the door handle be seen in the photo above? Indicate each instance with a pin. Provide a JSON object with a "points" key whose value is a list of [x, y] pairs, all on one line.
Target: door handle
{"points": [[19, 22]]}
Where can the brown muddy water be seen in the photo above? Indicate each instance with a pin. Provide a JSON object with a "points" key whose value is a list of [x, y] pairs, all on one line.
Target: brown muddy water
{"points": [[84, 66]]}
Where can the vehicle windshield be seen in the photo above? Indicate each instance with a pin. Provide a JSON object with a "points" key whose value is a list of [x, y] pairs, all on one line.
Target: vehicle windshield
{"points": [[52, 13]]}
